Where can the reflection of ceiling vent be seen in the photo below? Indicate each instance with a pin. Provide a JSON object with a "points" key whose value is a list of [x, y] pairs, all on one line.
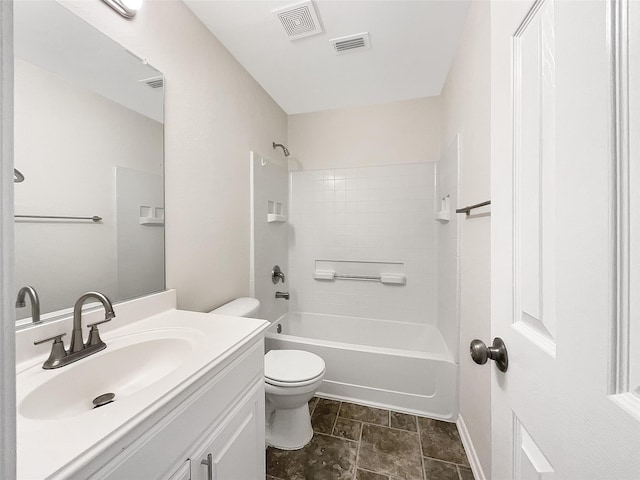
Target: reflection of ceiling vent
{"points": [[350, 43], [153, 82], [299, 20]]}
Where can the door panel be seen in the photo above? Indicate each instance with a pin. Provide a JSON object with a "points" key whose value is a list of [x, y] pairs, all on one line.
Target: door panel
{"points": [[529, 461], [554, 245], [533, 71]]}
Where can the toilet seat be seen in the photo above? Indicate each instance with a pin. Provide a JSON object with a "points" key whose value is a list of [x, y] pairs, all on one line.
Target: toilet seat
{"points": [[292, 368]]}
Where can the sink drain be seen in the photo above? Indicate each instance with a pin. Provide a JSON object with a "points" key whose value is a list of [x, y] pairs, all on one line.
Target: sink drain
{"points": [[103, 399]]}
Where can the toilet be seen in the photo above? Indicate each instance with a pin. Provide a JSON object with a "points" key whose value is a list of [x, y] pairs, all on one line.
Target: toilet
{"points": [[292, 377]]}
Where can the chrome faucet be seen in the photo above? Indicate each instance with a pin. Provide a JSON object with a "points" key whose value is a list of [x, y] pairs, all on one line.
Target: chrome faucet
{"points": [[277, 275], [284, 295], [33, 298], [59, 357], [77, 343]]}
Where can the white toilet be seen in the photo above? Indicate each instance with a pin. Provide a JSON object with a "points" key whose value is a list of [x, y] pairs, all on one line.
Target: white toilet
{"points": [[291, 379]]}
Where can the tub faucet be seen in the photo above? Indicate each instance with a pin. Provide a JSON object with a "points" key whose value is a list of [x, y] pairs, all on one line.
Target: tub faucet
{"points": [[33, 298], [284, 295]]}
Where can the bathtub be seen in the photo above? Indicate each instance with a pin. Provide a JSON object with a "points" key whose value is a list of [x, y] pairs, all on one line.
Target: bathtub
{"points": [[401, 366]]}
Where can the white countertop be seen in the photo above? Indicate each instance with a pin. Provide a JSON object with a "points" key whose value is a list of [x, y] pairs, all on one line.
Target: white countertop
{"points": [[56, 446]]}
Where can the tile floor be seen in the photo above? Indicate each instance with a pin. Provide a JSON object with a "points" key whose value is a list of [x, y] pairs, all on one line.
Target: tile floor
{"points": [[353, 442]]}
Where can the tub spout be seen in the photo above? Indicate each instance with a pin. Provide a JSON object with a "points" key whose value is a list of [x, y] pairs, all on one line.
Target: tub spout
{"points": [[284, 295]]}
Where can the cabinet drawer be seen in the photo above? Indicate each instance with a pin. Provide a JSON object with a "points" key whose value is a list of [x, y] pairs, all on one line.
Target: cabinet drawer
{"points": [[167, 441]]}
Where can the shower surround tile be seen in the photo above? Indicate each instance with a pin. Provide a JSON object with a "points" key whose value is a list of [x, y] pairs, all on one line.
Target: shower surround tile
{"points": [[356, 442], [370, 213]]}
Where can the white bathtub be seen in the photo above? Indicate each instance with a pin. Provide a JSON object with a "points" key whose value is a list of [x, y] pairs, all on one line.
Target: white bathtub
{"points": [[402, 366]]}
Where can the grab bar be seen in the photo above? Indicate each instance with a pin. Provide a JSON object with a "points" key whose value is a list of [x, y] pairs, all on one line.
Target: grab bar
{"points": [[468, 208], [359, 277], [95, 218], [394, 278]]}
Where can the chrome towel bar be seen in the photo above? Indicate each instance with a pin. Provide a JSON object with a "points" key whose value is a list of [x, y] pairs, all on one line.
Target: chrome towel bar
{"points": [[95, 218], [468, 208]]}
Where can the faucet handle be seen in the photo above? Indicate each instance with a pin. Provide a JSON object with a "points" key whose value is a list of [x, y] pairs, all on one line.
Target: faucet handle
{"points": [[94, 333], [95, 324], [55, 338], [57, 351]]}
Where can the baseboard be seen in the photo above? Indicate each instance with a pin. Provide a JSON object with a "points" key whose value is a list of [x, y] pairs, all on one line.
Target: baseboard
{"points": [[472, 455]]}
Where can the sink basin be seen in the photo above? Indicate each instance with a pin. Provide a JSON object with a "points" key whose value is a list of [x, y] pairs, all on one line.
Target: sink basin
{"points": [[127, 366]]}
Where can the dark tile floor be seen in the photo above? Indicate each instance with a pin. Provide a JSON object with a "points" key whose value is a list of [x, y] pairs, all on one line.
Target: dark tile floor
{"points": [[353, 442]]}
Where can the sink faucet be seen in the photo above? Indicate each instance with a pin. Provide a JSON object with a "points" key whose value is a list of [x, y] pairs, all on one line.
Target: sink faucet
{"points": [[33, 298], [59, 356], [77, 343]]}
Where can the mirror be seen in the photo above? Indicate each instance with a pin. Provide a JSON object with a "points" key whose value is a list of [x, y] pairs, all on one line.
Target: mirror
{"points": [[89, 143]]}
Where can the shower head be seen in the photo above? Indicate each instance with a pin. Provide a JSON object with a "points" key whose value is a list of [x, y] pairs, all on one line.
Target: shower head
{"points": [[284, 149]]}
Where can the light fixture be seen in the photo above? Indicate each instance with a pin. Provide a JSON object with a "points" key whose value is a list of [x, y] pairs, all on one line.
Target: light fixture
{"points": [[126, 8]]}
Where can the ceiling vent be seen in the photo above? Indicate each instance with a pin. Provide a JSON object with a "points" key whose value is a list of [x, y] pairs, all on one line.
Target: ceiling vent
{"points": [[153, 82], [350, 43], [299, 20]]}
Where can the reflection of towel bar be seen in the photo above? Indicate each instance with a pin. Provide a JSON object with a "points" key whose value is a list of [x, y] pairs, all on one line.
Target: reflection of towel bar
{"points": [[94, 218], [384, 278], [468, 208]]}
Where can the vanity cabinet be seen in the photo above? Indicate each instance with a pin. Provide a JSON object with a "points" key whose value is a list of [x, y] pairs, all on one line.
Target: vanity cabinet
{"points": [[234, 450], [221, 422]]}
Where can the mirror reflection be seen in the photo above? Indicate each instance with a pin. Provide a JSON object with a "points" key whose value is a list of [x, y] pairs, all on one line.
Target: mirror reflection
{"points": [[89, 145]]}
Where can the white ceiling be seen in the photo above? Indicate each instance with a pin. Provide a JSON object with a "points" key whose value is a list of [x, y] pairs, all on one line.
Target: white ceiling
{"points": [[51, 37], [412, 46]]}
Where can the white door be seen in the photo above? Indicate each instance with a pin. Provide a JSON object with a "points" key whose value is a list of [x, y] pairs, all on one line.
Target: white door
{"points": [[560, 411]]}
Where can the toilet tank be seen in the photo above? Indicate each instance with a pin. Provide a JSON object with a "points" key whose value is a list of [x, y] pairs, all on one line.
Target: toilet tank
{"points": [[240, 307]]}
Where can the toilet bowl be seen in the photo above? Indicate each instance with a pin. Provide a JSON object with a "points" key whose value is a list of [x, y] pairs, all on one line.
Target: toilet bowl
{"points": [[292, 377]]}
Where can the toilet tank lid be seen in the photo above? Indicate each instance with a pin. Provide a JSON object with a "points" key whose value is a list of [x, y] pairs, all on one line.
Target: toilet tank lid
{"points": [[240, 307]]}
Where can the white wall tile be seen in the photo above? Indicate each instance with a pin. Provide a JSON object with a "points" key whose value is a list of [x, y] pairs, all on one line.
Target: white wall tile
{"points": [[382, 213]]}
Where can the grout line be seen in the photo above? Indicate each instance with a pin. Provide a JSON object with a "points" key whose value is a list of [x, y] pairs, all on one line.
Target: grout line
{"points": [[446, 461], [371, 471], [358, 451], [458, 470], [383, 426], [335, 421], [424, 473]]}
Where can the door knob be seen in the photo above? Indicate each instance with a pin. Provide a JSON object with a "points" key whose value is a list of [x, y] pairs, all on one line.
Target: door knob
{"points": [[480, 353]]}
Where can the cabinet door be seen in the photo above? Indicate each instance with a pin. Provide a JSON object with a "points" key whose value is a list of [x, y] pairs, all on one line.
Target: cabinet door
{"points": [[183, 472], [235, 449]]}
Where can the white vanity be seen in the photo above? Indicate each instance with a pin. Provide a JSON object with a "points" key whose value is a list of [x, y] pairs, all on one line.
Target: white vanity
{"points": [[189, 398]]}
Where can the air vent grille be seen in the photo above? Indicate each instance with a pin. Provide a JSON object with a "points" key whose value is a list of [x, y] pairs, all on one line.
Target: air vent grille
{"points": [[350, 43], [154, 82], [299, 20]]}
